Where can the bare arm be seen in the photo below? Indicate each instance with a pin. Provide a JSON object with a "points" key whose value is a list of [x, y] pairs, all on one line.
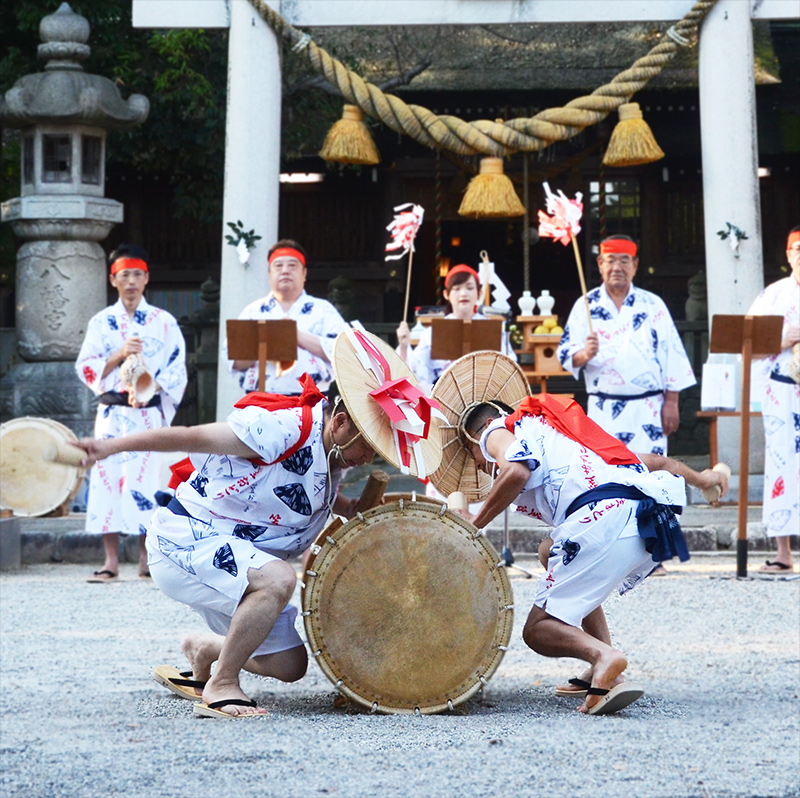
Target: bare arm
{"points": [[311, 343], [590, 349], [699, 479], [217, 438], [670, 415], [509, 483]]}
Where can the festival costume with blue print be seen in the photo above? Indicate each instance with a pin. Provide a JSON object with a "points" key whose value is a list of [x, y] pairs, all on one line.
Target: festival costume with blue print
{"points": [[780, 407], [122, 487], [610, 515], [640, 356], [232, 514], [312, 315]]}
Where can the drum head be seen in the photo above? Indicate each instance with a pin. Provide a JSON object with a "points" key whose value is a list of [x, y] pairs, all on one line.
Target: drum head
{"points": [[32, 486], [405, 608]]}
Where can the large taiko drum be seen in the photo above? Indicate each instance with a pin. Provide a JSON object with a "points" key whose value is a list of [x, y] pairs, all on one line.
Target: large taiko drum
{"points": [[406, 608], [30, 483]]}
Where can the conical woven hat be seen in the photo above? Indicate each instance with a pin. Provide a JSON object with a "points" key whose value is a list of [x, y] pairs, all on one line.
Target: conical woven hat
{"points": [[355, 383], [470, 380]]}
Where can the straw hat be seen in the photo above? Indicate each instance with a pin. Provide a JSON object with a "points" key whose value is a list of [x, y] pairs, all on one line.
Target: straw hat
{"points": [[355, 382], [475, 378]]}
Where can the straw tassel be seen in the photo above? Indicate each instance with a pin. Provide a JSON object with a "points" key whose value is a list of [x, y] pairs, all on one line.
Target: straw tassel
{"points": [[632, 141], [490, 194], [349, 140]]}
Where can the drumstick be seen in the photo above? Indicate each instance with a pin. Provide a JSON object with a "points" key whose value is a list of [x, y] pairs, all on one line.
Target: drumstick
{"points": [[713, 493], [456, 501], [64, 453], [373, 491]]}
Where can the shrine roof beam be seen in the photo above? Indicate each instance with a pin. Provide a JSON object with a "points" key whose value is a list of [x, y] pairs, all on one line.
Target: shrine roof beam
{"points": [[309, 13]]}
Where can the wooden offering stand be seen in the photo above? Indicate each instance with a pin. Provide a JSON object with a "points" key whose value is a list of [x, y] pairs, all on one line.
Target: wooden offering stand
{"points": [[544, 349], [262, 340]]}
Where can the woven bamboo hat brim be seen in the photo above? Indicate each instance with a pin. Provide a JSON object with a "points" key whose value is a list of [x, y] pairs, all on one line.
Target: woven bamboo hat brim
{"points": [[355, 382], [470, 380]]}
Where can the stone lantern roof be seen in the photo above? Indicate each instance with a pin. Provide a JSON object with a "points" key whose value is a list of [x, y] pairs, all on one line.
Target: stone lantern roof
{"points": [[64, 93]]}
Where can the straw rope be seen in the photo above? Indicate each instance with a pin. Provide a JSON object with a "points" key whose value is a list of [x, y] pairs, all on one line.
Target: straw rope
{"points": [[485, 136]]}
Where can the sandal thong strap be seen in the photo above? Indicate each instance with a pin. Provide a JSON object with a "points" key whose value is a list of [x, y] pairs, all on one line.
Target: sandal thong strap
{"points": [[597, 691], [582, 683], [239, 702]]}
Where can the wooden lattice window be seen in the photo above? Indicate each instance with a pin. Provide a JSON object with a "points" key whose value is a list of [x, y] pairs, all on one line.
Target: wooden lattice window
{"points": [[615, 208]]}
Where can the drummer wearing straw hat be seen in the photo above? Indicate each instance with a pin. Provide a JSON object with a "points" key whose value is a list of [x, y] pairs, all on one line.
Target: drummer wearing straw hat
{"points": [[612, 520], [259, 493]]}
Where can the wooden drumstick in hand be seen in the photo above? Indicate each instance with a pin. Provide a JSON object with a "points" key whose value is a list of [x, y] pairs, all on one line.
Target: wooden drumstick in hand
{"points": [[713, 493], [373, 491], [64, 453]]}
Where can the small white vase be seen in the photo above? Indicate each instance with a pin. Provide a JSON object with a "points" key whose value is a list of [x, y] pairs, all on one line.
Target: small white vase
{"points": [[545, 303], [526, 304]]}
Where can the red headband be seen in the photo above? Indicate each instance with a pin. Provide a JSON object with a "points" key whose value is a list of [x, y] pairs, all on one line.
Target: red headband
{"points": [[288, 252], [793, 238], [462, 268], [618, 246], [121, 264]]}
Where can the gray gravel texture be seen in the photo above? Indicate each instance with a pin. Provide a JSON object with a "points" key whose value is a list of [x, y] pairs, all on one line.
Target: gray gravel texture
{"points": [[719, 659]]}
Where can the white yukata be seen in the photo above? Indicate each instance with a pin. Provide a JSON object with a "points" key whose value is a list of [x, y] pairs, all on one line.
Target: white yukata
{"points": [[243, 515], [641, 355], [426, 370], [312, 315], [598, 547], [122, 487], [780, 407]]}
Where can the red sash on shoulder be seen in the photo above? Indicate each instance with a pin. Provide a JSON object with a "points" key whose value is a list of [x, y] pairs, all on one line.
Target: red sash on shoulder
{"points": [[309, 397], [567, 416]]}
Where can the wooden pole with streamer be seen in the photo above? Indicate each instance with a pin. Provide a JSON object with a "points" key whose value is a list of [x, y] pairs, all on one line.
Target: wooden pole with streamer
{"points": [[582, 279]]}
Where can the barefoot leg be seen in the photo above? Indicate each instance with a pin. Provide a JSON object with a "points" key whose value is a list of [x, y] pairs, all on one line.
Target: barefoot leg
{"points": [[553, 638], [268, 592]]}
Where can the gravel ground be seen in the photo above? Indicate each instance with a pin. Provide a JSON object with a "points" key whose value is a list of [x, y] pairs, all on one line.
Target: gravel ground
{"points": [[719, 659]]}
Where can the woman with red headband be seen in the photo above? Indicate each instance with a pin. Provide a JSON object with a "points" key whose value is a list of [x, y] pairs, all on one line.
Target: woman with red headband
{"points": [[318, 324], [780, 406], [462, 293]]}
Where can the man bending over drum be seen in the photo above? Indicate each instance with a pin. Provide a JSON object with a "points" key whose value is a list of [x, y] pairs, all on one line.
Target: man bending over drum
{"points": [[612, 525], [257, 492]]}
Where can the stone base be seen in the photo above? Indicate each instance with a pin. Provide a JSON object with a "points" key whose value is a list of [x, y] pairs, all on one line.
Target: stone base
{"points": [[50, 390], [10, 544]]}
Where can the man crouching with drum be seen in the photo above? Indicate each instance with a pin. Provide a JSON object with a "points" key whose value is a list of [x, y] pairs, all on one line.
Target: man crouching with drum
{"points": [[612, 525], [258, 491]]}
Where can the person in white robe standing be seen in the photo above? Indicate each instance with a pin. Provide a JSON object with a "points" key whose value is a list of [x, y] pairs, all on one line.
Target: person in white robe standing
{"points": [[318, 324], [122, 489], [633, 360], [780, 407]]}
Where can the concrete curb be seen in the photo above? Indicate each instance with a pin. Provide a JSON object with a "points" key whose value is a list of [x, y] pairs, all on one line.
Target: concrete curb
{"points": [[27, 541]]}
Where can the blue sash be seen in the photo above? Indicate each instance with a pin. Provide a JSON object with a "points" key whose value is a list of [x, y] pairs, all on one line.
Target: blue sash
{"points": [[658, 526]]}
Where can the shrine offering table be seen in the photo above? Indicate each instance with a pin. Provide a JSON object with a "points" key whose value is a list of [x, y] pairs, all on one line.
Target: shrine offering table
{"points": [[544, 349]]}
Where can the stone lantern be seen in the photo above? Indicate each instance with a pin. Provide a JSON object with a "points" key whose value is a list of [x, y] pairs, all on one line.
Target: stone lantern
{"points": [[64, 114]]}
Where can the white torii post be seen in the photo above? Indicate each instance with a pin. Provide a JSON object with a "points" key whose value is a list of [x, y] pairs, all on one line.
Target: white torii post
{"points": [[253, 120], [730, 157]]}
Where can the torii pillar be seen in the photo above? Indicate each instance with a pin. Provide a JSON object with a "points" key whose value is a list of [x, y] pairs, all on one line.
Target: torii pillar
{"points": [[727, 93]]}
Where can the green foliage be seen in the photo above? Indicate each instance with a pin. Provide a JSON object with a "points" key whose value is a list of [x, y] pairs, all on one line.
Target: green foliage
{"points": [[182, 72], [240, 234]]}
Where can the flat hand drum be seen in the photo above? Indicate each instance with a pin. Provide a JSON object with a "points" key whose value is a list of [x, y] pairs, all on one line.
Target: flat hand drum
{"points": [[406, 608], [30, 484]]}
